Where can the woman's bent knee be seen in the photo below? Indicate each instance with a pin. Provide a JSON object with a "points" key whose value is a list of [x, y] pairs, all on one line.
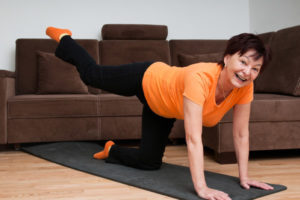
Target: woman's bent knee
{"points": [[151, 165]]}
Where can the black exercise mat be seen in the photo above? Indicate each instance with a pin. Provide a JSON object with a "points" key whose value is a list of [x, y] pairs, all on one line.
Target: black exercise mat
{"points": [[171, 180]]}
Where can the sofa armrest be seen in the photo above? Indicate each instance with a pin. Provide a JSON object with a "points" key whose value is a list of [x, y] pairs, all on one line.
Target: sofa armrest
{"points": [[7, 90], [7, 74]]}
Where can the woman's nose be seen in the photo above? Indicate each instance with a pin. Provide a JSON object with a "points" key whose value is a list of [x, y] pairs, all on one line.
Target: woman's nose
{"points": [[247, 70]]}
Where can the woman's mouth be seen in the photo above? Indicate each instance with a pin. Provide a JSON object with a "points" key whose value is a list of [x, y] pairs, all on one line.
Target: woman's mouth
{"points": [[240, 78]]}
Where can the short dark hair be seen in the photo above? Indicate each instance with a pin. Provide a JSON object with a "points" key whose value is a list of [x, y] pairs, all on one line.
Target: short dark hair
{"points": [[244, 42]]}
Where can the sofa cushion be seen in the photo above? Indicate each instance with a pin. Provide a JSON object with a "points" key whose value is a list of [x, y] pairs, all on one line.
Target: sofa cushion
{"points": [[194, 47], [26, 60], [56, 76], [93, 90], [118, 52], [272, 108], [112, 105], [30, 130], [185, 59], [282, 76], [49, 106], [266, 37], [120, 117], [134, 32], [120, 128]]}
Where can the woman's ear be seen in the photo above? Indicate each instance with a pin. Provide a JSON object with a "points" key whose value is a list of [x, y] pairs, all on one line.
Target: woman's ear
{"points": [[226, 58]]}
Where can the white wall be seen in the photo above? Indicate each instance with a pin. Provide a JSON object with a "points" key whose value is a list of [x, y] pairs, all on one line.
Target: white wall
{"points": [[192, 19], [272, 15]]}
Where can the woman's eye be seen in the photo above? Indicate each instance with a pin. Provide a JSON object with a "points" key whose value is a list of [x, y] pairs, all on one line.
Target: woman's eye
{"points": [[243, 62], [255, 69]]}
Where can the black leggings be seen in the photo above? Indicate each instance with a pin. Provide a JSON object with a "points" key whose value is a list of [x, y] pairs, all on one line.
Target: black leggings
{"points": [[123, 80]]}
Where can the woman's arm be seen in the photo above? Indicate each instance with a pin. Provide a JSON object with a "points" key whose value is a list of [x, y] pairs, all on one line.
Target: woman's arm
{"points": [[193, 131], [241, 114]]}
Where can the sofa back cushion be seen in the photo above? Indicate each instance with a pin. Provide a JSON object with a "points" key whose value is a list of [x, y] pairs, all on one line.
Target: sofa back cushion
{"points": [[185, 51], [282, 75], [27, 63], [186, 59], [134, 32], [266, 37], [123, 44]]}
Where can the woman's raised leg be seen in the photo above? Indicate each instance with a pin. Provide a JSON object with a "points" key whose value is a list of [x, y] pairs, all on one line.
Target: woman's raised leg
{"points": [[123, 80]]}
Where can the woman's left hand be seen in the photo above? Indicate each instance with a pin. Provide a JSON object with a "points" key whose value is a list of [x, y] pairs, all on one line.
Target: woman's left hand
{"points": [[251, 183]]}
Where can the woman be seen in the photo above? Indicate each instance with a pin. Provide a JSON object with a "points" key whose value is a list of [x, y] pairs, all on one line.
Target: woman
{"points": [[200, 94]]}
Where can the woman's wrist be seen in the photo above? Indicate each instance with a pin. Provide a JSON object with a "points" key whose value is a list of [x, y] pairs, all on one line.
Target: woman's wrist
{"points": [[200, 187], [243, 172], [244, 178]]}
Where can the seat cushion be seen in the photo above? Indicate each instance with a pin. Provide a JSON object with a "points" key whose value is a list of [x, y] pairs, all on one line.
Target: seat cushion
{"points": [[52, 106], [112, 105], [272, 108]]}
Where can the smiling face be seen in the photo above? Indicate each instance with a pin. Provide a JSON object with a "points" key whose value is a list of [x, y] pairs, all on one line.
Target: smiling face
{"points": [[241, 70]]}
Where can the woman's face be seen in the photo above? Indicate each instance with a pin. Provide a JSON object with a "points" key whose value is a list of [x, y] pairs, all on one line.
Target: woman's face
{"points": [[242, 69]]}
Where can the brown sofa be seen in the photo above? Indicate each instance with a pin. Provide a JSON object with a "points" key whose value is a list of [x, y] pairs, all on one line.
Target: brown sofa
{"points": [[45, 100]]}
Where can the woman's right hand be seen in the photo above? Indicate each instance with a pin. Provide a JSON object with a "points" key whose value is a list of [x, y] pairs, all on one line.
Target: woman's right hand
{"points": [[212, 194]]}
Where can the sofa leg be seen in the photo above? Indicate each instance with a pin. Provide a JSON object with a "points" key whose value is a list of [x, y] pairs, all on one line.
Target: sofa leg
{"points": [[225, 157]]}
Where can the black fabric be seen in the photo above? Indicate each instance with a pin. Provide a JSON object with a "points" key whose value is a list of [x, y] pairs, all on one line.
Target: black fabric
{"points": [[171, 180], [155, 132]]}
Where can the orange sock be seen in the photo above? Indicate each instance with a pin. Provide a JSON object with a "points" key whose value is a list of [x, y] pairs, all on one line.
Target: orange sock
{"points": [[105, 153], [57, 33]]}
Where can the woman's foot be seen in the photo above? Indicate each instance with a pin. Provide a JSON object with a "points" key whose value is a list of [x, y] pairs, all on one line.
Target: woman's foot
{"points": [[105, 153], [57, 33]]}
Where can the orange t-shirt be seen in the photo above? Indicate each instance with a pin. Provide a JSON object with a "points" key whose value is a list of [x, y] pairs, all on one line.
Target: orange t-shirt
{"points": [[164, 87]]}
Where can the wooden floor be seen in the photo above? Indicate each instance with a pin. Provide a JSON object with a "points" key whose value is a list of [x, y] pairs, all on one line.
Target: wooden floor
{"points": [[23, 176]]}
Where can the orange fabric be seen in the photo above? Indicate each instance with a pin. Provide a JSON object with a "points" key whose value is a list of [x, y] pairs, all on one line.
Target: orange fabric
{"points": [[55, 33], [105, 152], [164, 87]]}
